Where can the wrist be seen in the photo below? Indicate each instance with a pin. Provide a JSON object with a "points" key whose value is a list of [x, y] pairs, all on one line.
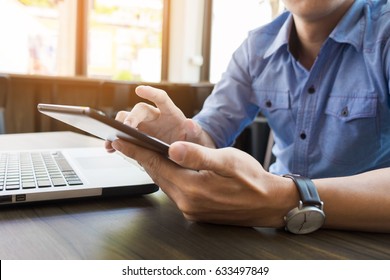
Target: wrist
{"points": [[206, 140], [196, 134], [284, 198], [290, 199]]}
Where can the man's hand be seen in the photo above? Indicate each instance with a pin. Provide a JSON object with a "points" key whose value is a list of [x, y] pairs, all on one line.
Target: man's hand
{"points": [[164, 121], [217, 185], [210, 185]]}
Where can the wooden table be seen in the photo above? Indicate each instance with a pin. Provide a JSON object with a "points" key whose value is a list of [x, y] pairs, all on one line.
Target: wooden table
{"points": [[151, 227]]}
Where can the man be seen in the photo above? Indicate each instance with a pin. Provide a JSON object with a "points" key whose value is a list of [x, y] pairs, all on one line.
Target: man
{"points": [[320, 74]]}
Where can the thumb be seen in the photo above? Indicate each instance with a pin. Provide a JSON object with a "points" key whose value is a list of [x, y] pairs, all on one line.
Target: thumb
{"points": [[197, 157]]}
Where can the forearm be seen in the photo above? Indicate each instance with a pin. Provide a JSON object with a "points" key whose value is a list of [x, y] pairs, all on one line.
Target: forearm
{"points": [[360, 202]]}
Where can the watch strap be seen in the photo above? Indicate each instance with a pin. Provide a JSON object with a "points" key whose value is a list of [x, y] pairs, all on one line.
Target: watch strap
{"points": [[307, 190]]}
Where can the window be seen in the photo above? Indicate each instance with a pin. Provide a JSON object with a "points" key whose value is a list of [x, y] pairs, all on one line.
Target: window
{"points": [[123, 38], [127, 39], [29, 35]]}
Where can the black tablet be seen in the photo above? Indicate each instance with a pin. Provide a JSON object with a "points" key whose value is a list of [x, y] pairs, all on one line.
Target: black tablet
{"points": [[97, 123]]}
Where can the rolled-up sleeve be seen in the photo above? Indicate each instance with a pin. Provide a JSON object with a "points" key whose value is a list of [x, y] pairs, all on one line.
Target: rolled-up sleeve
{"points": [[228, 110]]}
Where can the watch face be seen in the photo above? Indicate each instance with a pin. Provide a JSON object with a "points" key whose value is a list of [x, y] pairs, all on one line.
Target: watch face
{"points": [[304, 220]]}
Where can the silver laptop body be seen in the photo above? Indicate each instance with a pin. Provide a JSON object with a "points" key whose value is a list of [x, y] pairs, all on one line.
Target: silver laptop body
{"points": [[93, 173]]}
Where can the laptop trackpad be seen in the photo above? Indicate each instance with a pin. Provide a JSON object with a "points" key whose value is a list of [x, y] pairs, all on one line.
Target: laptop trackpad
{"points": [[100, 162], [100, 167]]}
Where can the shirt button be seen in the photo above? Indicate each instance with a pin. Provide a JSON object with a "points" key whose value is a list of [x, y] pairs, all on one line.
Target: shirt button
{"points": [[303, 136], [311, 90], [268, 104], [345, 112]]}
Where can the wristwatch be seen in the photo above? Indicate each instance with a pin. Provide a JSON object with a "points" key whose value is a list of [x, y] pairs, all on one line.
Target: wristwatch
{"points": [[309, 215]]}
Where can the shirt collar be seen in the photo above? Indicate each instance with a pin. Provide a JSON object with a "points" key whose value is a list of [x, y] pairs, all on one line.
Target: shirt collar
{"points": [[349, 30], [281, 38], [351, 27]]}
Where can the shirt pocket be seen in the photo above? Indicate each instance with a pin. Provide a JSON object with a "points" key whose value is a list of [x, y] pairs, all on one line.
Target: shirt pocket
{"points": [[272, 100], [275, 105], [349, 109], [349, 132]]}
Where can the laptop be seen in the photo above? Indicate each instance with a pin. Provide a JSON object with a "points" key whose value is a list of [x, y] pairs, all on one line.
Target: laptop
{"points": [[43, 175], [30, 176]]}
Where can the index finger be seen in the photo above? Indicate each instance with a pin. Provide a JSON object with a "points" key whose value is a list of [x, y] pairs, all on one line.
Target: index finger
{"points": [[158, 96]]}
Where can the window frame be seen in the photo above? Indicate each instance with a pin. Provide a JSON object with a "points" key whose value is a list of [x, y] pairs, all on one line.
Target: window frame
{"points": [[81, 39]]}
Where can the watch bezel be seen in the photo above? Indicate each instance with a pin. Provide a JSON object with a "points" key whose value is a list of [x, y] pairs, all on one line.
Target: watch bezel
{"points": [[302, 210]]}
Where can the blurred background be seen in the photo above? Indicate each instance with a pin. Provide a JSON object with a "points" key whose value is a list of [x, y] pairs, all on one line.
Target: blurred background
{"points": [[128, 40], [96, 52]]}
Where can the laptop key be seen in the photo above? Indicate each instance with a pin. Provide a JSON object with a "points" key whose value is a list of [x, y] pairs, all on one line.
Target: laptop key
{"points": [[28, 185], [12, 187], [44, 183], [58, 182], [74, 182]]}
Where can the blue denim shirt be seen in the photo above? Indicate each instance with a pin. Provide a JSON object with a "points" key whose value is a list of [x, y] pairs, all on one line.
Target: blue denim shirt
{"points": [[333, 120]]}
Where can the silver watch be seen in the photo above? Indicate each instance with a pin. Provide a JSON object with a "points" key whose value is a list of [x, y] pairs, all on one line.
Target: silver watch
{"points": [[309, 215]]}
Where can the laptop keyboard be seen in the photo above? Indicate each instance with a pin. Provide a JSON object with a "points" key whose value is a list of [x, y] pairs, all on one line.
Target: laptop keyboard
{"points": [[29, 170]]}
